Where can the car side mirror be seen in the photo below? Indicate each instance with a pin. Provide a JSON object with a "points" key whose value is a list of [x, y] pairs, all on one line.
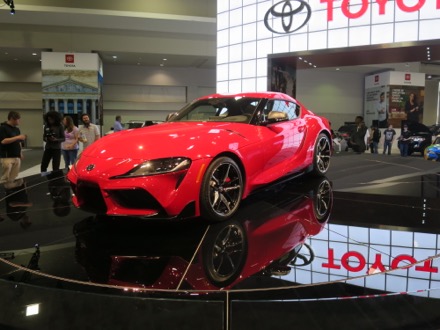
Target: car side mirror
{"points": [[276, 116]]}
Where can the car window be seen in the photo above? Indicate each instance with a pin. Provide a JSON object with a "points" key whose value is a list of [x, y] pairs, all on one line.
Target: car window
{"points": [[222, 109], [291, 109]]}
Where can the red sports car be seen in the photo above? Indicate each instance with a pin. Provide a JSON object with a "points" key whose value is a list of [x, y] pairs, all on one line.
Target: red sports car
{"points": [[204, 160]]}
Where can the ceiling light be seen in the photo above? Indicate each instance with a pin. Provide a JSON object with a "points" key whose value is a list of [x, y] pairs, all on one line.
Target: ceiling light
{"points": [[114, 57], [33, 309], [34, 54]]}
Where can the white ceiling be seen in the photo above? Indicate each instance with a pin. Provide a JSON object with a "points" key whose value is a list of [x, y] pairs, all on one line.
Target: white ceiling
{"points": [[135, 38], [146, 38]]}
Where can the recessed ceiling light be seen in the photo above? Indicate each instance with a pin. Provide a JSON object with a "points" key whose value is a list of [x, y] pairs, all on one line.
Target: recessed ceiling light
{"points": [[165, 59], [34, 54], [114, 57]]}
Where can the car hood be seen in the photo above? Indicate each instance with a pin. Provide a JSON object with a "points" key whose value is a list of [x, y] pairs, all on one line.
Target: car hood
{"points": [[189, 139]]}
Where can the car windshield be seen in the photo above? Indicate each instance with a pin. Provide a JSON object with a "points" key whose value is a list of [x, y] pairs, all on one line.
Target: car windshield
{"points": [[233, 109]]}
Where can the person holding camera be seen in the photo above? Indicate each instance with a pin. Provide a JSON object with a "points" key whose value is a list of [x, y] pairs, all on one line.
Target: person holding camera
{"points": [[11, 141], [53, 136]]}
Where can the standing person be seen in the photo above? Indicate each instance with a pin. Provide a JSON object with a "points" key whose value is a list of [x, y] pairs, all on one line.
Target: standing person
{"points": [[89, 133], [374, 139], [388, 139], [412, 109], [69, 147], [382, 111], [10, 150], [53, 136], [117, 126], [404, 141], [358, 136]]}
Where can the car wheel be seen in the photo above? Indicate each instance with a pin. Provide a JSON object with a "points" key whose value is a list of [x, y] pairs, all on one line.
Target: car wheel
{"points": [[425, 154], [224, 253], [222, 189], [305, 258], [321, 157], [323, 200]]}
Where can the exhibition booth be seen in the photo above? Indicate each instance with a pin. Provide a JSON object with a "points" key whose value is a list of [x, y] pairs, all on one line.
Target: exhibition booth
{"points": [[358, 247]]}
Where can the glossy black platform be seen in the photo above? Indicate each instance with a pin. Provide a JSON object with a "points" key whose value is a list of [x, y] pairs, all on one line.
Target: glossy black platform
{"points": [[358, 248]]}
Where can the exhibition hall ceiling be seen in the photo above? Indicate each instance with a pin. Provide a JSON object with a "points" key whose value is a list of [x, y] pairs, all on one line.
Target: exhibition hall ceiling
{"points": [[151, 37]]}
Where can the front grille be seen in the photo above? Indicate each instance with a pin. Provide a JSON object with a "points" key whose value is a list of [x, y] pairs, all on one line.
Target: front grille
{"points": [[135, 199], [90, 197]]}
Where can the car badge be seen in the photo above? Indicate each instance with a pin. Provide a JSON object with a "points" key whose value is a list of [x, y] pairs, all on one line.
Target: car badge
{"points": [[90, 167]]}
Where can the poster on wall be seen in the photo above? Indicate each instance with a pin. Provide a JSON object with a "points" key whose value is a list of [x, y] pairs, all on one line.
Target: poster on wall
{"points": [[406, 104], [392, 98], [281, 77], [72, 85], [376, 108]]}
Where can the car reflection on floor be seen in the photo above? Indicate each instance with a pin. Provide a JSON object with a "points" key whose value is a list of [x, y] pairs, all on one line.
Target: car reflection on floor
{"points": [[267, 237]]}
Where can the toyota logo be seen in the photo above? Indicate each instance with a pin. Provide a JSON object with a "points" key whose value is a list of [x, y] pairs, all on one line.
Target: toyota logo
{"points": [[90, 167], [280, 17]]}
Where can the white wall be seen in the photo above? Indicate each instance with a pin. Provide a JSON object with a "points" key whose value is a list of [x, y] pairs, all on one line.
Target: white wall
{"points": [[133, 92], [335, 95], [430, 116]]}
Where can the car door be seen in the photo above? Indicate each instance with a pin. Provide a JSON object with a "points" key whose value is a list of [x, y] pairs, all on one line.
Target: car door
{"points": [[286, 135]]}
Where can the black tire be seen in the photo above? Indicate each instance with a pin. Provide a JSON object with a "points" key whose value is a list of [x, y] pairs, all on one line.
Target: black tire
{"points": [[303, 259], [323, 200], [322, 154], [224, 253], [222, 190]]}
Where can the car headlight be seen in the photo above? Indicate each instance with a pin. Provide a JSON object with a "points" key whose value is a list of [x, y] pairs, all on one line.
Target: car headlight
{"points": [[158, 166]]}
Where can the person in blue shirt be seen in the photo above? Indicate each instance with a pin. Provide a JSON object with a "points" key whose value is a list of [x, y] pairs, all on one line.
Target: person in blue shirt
{"points": [[117, 126]]}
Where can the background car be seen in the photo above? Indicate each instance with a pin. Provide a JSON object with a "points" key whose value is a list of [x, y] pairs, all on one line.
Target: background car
{"points": [[434, 129], [202, 162], [421, 137], [432, 152], [136, 124], [345, 131]]}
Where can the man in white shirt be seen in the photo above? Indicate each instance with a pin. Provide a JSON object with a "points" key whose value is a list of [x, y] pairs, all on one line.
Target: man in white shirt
{"points": [[89, 132]]}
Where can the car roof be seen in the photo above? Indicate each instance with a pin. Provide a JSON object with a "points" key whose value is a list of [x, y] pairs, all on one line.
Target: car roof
{"points": [[418, 127], [269, 95]]}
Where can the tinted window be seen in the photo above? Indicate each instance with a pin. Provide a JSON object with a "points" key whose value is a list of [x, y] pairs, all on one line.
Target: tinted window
{"points": [[221, 109], [290, 108]]}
